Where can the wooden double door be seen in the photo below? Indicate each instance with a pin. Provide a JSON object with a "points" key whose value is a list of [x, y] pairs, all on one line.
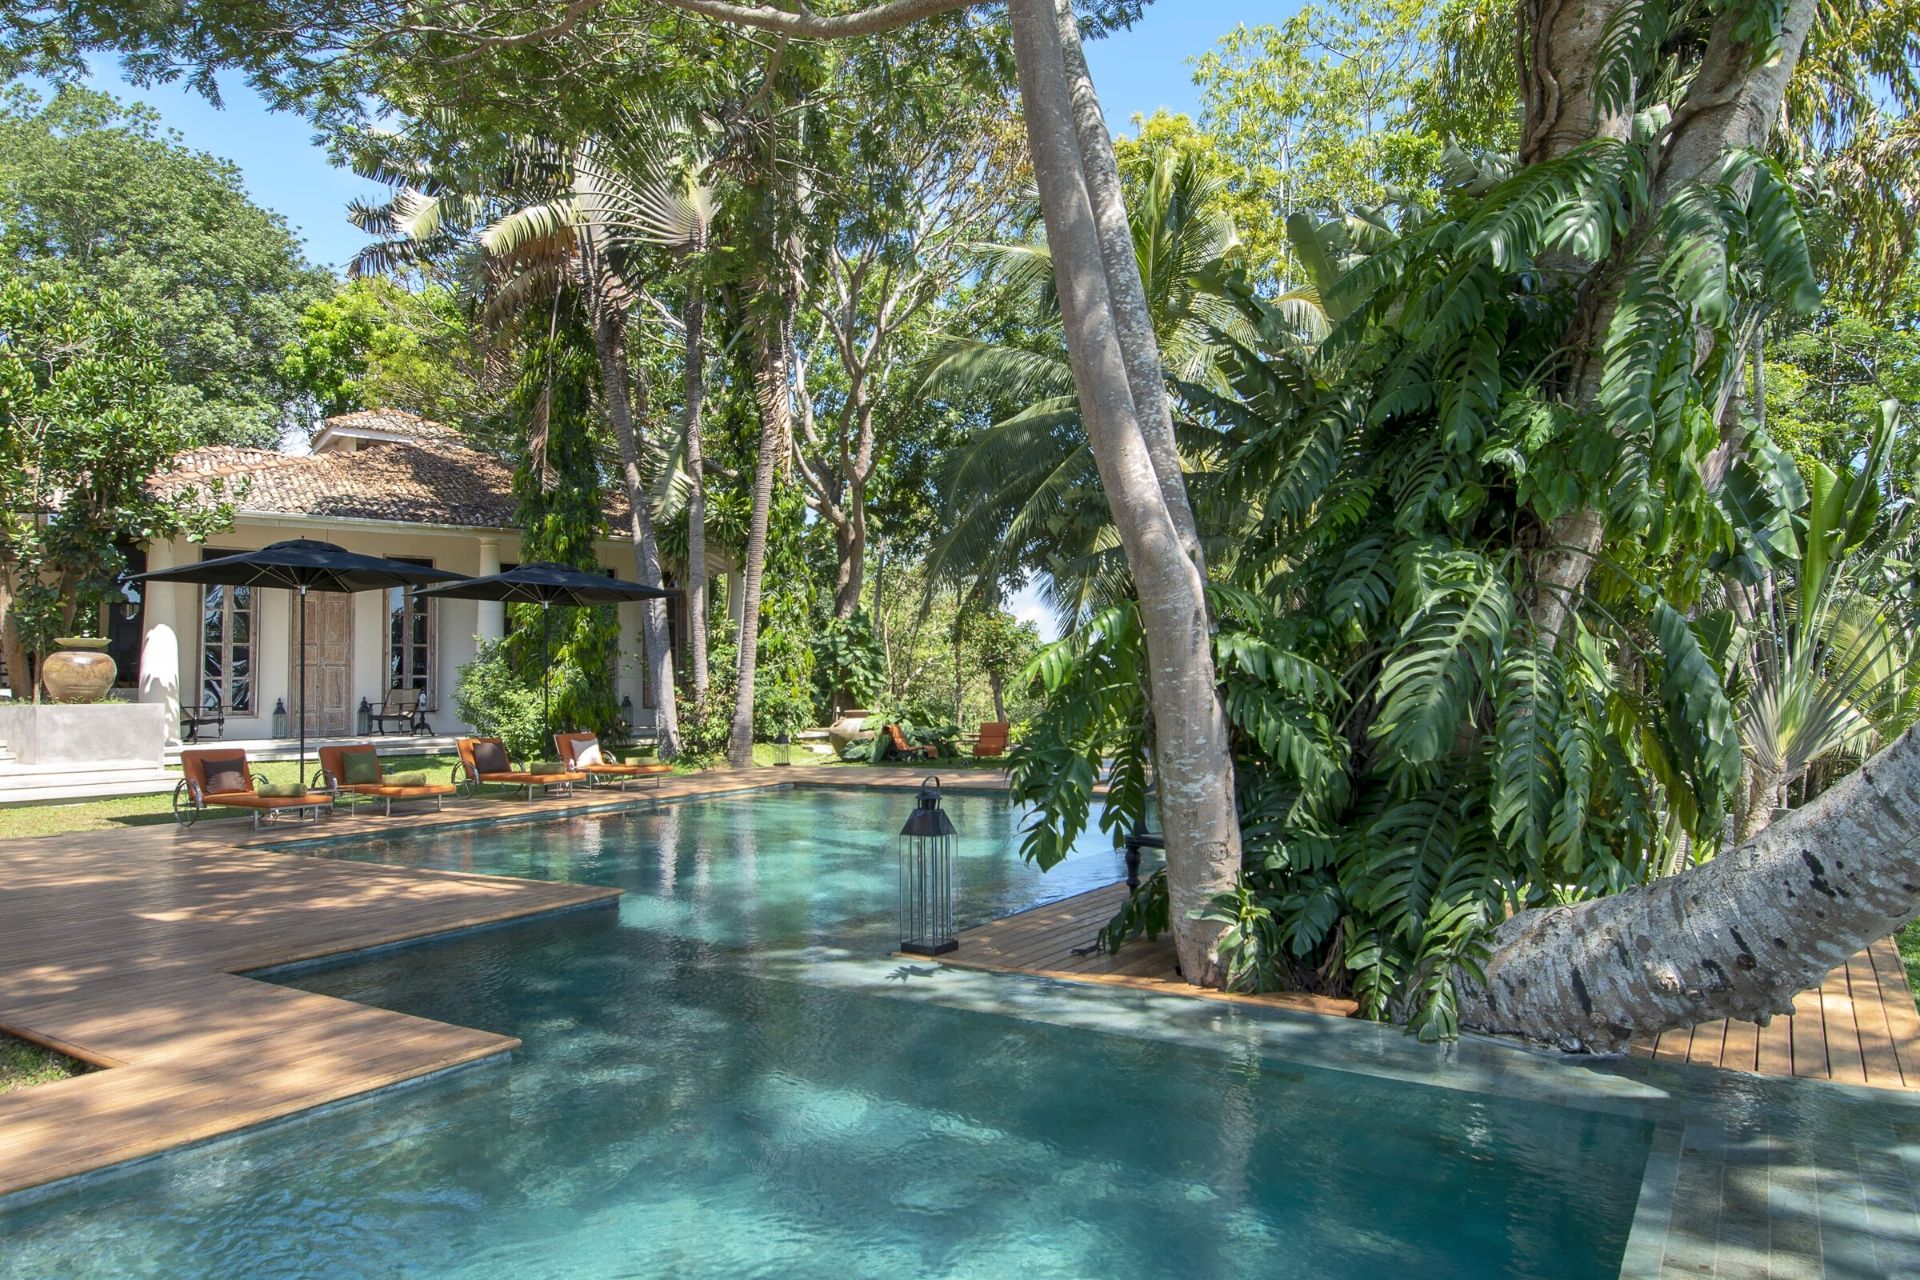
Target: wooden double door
{"points": [[328, 692]]}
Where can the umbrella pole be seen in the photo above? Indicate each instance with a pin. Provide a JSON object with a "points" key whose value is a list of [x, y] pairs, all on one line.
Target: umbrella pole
{"points": [[301, 776], [546, 668]]}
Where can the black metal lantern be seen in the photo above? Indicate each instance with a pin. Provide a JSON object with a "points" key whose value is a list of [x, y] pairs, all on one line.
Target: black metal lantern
{"points": [[926, 876], [279, 717], [783, 749], [626, 711], [366, 717]]}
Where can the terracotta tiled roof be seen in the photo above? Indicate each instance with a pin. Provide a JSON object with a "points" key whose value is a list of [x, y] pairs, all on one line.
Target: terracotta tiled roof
{"points": [[420, 482]]}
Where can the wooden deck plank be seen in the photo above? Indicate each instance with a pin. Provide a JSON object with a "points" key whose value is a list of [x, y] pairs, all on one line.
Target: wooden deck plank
{"points": [[1841, 1030], [1775, 1057], [1870, 1014], [1809, 1032], [1896, 1000]]}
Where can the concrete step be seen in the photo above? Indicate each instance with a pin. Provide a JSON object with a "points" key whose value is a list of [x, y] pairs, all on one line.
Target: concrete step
{"points": [[25, 784]]}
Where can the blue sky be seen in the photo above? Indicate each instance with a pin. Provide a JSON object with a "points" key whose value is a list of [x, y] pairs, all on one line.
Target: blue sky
{"points": [[1136, 71]]}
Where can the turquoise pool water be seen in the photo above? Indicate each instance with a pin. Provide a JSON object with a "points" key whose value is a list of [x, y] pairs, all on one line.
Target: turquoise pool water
{"points": [[689, 1104]]}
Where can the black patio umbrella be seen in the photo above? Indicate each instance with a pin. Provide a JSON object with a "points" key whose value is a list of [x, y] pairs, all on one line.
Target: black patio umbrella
{"points": [[547, 584], [302, 565]]}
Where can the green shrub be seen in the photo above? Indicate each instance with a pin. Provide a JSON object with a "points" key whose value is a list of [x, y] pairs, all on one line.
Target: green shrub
{"points": [[499, 704]]}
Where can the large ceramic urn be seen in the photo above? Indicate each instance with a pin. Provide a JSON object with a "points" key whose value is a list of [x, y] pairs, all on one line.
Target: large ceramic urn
{"points": [[80, 670], [850, 727]]}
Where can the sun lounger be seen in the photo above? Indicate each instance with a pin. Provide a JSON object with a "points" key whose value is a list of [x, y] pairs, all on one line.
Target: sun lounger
{"points": [[484, 760], [581, 752], [336, 763], [906, 750], [992, 740], [220, 776]]}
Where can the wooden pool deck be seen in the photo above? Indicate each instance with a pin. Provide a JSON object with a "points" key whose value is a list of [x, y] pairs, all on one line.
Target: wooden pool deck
{"points": [[1858, 1027], [122, 948]]}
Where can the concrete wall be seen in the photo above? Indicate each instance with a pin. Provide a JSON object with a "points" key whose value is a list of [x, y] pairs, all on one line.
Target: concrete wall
{"points": [[85, 733], [170, 653]]}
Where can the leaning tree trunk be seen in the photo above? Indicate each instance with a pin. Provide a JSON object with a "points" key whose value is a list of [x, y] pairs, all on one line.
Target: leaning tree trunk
{"points": [[1736, 937], [696, 392], [776, 426], [1195, 772]]}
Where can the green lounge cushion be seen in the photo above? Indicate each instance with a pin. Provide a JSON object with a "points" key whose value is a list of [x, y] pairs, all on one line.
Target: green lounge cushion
{"points": [[544, 767], [279, 790], [357, 767], [631, 760], [414, 779]]}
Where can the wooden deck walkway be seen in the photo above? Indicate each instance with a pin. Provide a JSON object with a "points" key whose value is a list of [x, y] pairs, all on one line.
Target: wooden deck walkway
{"points": [[121, 948], [1859, 1027]]}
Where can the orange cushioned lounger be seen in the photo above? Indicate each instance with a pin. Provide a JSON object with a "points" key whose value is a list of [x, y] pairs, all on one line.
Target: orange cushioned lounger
{"points": [[220, 776], [485, 760], [333, 768], [581, 751]]}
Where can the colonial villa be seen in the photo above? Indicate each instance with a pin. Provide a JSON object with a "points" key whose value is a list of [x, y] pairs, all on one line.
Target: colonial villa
{"points": [[380, 482]]}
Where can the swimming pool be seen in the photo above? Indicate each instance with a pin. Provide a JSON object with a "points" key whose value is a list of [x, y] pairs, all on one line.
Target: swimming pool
{"points": [[689, 1102]]}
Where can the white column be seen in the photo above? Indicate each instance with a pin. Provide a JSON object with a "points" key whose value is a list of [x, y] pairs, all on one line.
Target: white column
{"points": [[491, 620], [160, 655]]}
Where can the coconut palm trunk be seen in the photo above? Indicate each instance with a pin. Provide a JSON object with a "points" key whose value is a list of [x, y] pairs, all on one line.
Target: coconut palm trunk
{"points": [[1736, 937]]}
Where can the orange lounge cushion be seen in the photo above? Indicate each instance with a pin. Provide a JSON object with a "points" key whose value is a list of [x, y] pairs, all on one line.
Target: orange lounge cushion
{"points": [[628, 770], [526, 779], [398, 792], [248, 800]]}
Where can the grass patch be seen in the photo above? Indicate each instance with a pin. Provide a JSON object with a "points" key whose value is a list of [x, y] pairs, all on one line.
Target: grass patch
{"points": [[24, 1063], [1908, 940], [145, 811]]}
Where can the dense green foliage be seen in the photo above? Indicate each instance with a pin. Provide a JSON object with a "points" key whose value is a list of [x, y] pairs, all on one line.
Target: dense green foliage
{"points": [[83, 423], [374, 345], [94, 195]]}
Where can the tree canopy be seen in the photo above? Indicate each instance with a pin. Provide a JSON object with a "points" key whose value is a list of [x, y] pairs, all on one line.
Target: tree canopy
{"points": [[94, 194]]}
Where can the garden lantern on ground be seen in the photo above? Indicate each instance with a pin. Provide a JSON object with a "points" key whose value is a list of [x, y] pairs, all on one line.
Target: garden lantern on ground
{"points": [[783, 749], [279, 717], [926, 876], [366, 717]]}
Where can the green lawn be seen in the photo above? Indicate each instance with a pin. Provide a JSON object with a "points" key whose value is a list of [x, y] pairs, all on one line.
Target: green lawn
{"points": [[144, 811], [1909, 942], [24, 1063]]}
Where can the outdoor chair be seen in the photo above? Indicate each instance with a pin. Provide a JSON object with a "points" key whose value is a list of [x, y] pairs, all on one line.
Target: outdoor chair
{"points": [[355, 770], [581, 753], [992, 740], [192, 722], [905, 749], [484, 760], [401, 707], [220, 776]]}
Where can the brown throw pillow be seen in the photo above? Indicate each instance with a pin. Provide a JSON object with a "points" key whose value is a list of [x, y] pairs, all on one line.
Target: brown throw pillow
{"points": [[490, 757], [226, 776]]}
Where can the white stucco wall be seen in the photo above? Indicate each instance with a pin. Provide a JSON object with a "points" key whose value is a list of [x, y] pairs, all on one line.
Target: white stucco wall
{"points": [[170, 649]]}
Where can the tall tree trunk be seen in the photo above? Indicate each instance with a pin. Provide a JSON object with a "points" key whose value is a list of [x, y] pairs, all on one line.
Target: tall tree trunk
{"points": [[1732, 102], [656, 635], [1735, 937], [607, 299], [850, 543], [1126, 292], [696, 392], [1196, 772], [776, 412]]}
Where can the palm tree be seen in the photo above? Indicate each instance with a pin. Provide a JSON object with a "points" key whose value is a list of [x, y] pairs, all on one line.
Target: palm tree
{"points": [[540, 209], [1023, 493]]}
